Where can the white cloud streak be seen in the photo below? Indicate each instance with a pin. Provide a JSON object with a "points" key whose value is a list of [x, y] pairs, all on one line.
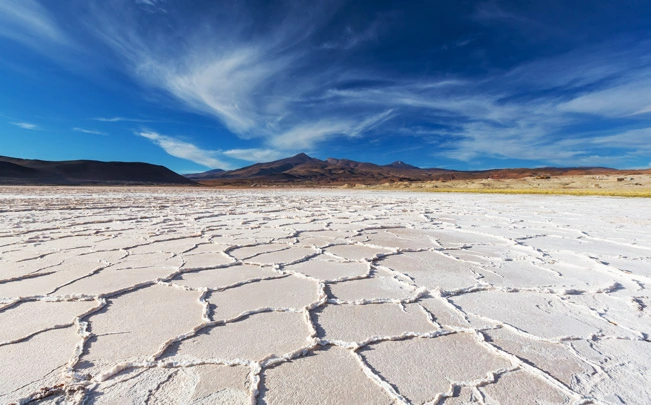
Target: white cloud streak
{"points": [[627, 99], [88, 131], [25, 125], [152, 5], [255, 155], [184, 150], [257, 87], [266, 86], [351, 39], [28, 22], [119, 119]]}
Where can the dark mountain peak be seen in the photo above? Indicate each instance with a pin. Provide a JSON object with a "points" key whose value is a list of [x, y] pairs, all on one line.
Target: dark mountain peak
{"points": [[276, 169], [304, 170], [300, 158], [401, 165], [295, 160]]}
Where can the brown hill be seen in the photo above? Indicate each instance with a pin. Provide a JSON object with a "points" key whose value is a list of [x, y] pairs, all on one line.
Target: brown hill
{"points": [[303, 170], [204, 175], [77, 172]]}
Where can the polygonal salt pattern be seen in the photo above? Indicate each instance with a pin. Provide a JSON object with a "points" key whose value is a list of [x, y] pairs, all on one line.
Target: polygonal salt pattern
{"points": [[199, 296]]}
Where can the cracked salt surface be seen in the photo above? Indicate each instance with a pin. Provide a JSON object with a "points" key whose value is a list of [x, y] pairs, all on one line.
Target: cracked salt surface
{"points": [[226, 297]]}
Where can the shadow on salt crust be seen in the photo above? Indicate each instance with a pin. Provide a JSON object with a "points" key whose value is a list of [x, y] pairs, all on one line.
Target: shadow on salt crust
{"points": [[329, 376]]}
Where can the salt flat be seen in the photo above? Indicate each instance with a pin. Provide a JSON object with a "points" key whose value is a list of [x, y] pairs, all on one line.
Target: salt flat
{"points": [[197, 296]]}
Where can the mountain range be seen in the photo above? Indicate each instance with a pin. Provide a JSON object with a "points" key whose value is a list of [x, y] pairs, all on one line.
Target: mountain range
{"points": [[299, 170], [305, 170], [86, 172]]}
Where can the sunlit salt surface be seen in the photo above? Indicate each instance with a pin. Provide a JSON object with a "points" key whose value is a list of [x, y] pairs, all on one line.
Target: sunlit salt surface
{"points": [[199, 296]]}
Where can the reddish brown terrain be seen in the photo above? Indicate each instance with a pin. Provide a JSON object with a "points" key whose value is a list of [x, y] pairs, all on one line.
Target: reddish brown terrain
{"points": [[302, 170]]}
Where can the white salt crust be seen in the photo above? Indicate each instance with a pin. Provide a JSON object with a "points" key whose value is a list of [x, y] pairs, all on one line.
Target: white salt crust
{"points": [[280, 297]]}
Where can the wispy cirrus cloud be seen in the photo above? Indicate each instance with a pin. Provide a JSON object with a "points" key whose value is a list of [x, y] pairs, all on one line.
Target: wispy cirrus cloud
{"points": [[152, 5], [639, 139], [25, 125], [30, 23], [273, 79], [350, 38], [255, 155], [88, 131], [259, 86], [184, 150], [492, 11], [629, 98], [305, 136], [120, 119]]}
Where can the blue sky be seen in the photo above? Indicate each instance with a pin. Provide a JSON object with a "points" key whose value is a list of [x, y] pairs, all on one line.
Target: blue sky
{"points": [[201, 84]]}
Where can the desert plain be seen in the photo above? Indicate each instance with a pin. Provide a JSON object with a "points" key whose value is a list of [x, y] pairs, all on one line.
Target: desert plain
{"points": [[205, 296], [626, 184]]}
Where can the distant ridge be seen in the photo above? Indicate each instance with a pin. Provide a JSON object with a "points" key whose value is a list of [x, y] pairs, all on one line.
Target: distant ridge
{"points": [[85, 172], [298, 170], [203, 175], [304, 170]]}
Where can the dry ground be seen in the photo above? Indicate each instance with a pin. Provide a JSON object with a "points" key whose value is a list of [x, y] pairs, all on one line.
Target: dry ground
{"points": [[613, 185]]}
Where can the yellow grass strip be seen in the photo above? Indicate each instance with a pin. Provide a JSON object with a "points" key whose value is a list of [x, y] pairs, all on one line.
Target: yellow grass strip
{"points": [[606, 193]]}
